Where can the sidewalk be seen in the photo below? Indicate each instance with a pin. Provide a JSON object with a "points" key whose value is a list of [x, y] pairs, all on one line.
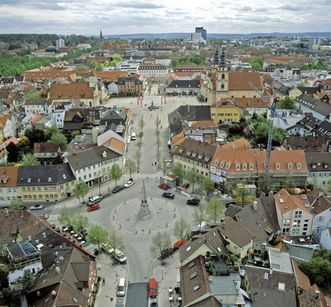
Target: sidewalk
{"points": [[107, 292]]}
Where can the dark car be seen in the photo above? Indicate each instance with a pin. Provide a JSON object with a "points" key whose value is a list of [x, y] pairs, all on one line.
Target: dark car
{"points": [[193, 201], [118, 188], [168, 195]]}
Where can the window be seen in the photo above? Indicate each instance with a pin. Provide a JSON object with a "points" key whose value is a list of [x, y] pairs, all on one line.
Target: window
{"points": [[237, 167], [297, 214], [251, 166], [244, 166], [295, 232]]}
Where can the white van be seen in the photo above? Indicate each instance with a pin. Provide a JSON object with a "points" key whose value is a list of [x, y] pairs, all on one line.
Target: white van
{"points": [[121, 287], [133, 136]]}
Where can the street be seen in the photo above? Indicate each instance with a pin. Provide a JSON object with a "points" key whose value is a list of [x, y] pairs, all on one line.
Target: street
{"points": [[118, 212]]}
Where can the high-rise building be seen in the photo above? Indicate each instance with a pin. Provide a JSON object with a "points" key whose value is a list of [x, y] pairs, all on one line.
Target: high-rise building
{"points": [[60, 43], [202, 31]]}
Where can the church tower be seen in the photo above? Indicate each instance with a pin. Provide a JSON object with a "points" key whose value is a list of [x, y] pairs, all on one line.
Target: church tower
{"points": [[222, 78], [101, 36]]}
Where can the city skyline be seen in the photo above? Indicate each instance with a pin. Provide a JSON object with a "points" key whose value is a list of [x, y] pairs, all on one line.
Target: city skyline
{"points": [[128, 17]]}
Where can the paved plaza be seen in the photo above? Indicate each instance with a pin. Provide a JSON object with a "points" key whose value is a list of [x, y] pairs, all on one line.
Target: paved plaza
{"points": [[119, 212]]}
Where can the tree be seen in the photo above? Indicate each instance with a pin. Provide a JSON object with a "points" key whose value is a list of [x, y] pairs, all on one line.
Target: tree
{"points": [[81, 189], [97, 235], [16, 204], [242, 192], [31, 95], [329, 186], [214, 211], [79, 222], [27, 281], [208, 185], [13, 152], [199, 215], [286, 103], [65, 217], [115, 242], [278, 136], [140, 135], [35, 135], [318, 271], [141, 123], [50, 131], [193, 177], [28, 159], [130, 166], [181, 229], [160, 242], [60, 139], [116, 172], [178, 171], [289, 183]]}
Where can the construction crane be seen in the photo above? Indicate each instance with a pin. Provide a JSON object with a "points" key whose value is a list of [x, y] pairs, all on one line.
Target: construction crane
{"points": [[272, 115]]}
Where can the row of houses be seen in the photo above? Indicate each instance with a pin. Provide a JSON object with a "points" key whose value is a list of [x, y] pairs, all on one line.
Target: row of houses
{"points": [[249, 238], [53, 183], [230, 163]]}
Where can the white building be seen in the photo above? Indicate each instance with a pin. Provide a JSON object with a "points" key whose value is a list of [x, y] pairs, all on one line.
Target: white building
{"points": [[8, 125], [93, 165], [24, 258], [40, 106], [60, 43], [319, 166], [112, 88], [131, 67], [325, 239], [155, 72]]}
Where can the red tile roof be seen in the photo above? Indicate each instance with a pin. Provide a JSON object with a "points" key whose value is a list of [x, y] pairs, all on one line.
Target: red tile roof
{"points": [[240, 80], [78, 90]]}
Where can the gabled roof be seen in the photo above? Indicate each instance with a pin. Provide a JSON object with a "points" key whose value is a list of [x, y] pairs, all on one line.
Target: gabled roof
{"points": [[234, 231], [78, 90], [239, 80], [35, 75], [203, 124], [318, 161], [91, 156], [111, 76], [41, 175], [46, 147], [194, 84], [197, 287], [212, 239], [36, 102], [308, 143], [8, 176], [286, 202], [269, 290], [256, 219], [196, 150], [243, 102]]}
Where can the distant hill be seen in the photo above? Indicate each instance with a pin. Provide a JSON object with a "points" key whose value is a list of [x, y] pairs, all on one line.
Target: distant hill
{"points": [[219, 35]]}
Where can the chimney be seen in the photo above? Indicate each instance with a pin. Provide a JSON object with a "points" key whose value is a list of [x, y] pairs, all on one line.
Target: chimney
{"points": [[44, 235]]}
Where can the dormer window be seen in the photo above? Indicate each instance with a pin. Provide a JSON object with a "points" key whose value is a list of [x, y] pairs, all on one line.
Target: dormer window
{"points": [[299, 165], [244, 166], [289, 166], [277, 166], [221, 164], [251, 166], [237, 167], [228, 164]]}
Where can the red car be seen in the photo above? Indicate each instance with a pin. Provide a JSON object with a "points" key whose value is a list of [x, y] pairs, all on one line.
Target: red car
{"points": [[93, 207], [152, 287], [179, 243], [164, 186]]}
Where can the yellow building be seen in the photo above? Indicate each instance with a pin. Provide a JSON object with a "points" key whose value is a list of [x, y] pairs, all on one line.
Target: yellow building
{"points": [[45, 183], [221, 113]]}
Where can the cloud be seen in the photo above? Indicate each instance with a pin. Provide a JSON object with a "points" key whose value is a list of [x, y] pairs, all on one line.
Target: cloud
{"points": [[129, 16], [137, 5]]}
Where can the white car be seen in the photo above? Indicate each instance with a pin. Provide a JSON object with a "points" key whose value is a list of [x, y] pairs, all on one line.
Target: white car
{"points": [[36, 207], [129, 183]]}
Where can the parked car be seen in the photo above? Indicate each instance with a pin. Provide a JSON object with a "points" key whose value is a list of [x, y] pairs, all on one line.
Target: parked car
{"points": [[94, 199], [36, 207], [179, 243], [93, 207], [164, 186], [116, 254], [118, 188], [193, 201], [168, 195], [152, 288], [129, 183]]}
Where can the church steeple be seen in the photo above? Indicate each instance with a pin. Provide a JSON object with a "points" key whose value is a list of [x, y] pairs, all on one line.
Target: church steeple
{"points": [[216, 61], [222, 61], [101, 36]]}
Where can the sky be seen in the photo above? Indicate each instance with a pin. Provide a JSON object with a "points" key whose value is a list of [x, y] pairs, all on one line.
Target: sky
{"points": [[87, 17]]}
